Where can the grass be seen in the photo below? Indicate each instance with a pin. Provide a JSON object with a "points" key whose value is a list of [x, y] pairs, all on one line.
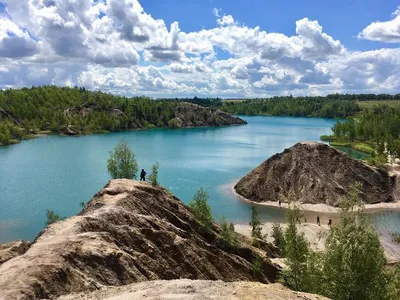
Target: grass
{"points": [[362, 147], [371, 104]]}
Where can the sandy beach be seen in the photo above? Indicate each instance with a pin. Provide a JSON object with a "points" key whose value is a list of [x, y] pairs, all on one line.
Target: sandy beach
{"points": [[323, 209], [317, 235]]}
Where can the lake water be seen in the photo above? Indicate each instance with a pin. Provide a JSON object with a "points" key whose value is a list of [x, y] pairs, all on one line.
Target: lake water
{"points": [[59, 173]]}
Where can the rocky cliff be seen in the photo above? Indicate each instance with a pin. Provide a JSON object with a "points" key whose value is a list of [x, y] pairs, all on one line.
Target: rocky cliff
{"points": [[193, 115], [129, 232], [314, 173]]}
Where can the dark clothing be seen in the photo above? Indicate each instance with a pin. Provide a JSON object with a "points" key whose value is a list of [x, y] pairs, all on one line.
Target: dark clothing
{"points": [[318, 222], [330, 222], [143, 175], [280, 203]]}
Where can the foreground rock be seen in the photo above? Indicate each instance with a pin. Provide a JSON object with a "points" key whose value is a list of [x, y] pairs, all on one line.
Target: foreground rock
{"points": [[129, 232], [193, 115], [314, 173], [191, 290], [13, 249]]}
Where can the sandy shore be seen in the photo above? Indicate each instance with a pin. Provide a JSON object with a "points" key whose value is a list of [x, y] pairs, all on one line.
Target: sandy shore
{"points": [[324, 209], [317, 235]]}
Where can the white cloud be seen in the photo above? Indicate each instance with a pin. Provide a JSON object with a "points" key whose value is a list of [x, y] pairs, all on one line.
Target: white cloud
{"points": [[388, 31], [116, 46]]}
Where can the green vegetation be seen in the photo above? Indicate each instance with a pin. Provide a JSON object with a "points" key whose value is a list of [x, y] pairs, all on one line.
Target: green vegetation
{"points": [[201, 210], [290, 106], [365, 105], [122, 162], [375, 130], [154, 174], [256, 229], [228, 232], [353, 265], [396, 237], [279, 237], [362, 147], [52, 217]]}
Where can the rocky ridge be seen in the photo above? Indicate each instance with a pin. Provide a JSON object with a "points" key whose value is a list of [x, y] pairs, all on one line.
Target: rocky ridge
{"points": [[129, 232], [315, 173]]}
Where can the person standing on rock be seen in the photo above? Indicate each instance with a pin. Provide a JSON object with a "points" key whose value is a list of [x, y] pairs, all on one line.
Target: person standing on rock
{"points": [[318, 221], [280, 203], [143, 175], [330, 222]]}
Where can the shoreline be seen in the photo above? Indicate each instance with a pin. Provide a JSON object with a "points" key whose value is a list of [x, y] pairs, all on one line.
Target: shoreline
{"points": [[324, 209]]}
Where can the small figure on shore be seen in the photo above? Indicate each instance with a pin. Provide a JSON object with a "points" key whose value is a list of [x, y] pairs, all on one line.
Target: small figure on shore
{"points": [[280, 203], [143, 175], [330, 223], [318, 221], [305, 220]]}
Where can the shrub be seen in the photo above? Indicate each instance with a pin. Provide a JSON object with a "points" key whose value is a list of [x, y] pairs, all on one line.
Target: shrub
{"points": [[279, 237], [201, 210], [122, 162], [228, 232], [173, 123], [154, 174], [256, 229], [52, 217]]}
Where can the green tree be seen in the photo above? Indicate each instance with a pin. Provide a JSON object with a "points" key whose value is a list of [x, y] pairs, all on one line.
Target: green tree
{"points": [[228, 232], [122, 162], [279, 237], [201, 210], [296, 252], [256, 229], [52, 217], [354, 264], [154, 174]]}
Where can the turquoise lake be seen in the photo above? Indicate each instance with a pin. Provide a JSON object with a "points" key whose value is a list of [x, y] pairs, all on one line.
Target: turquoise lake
{"points": [[59, 173]]}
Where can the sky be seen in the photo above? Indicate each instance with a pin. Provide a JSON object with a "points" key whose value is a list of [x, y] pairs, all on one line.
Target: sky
{"points": [[204, 48]]}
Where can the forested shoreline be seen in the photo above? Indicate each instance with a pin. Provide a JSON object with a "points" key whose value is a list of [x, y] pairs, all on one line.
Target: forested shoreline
{"points": [[28, 112]]}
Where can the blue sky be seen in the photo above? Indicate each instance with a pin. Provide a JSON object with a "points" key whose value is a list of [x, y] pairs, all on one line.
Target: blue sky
{"points": [[241, 48]]}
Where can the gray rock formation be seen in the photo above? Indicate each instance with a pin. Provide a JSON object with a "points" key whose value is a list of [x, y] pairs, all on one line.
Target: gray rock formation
{"points": [[314, 173], [193, 115], [129, 232]]}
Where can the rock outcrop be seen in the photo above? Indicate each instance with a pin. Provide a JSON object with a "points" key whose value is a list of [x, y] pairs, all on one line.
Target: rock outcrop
{"points": [[193, 115], [13, 249], [129, 232], [194, 290], [314, 173]]}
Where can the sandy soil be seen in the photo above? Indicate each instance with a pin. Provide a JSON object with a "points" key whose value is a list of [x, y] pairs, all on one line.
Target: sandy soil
{"points": [[315, 234], [326, 209], [185, 289]]}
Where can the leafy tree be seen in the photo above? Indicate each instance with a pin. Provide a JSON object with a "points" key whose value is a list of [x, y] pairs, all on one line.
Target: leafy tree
{"points": [[154, 175], [354, 265], [393, 287], [279, 237], [201, 210], [52, 217], [228, 232], [296, 252], [256, 229], [122, 162]]}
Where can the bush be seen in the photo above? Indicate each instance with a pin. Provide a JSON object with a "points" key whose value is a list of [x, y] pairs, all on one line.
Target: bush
{"points": [[52, 217], [396, 237], [326, 138], [279, 237], [228, 232], [173, 123], [201, 210], [122, 162], [154, 175]]}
